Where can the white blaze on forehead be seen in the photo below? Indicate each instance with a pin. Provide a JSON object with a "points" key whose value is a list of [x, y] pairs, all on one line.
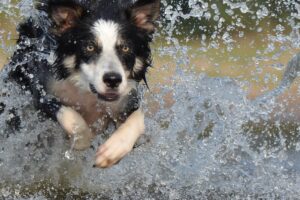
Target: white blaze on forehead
{"points": [[106, 33], [107, 36]]}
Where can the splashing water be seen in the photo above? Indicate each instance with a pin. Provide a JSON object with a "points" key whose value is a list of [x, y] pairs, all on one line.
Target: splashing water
{"points": [[205, 138], [69, 154]]}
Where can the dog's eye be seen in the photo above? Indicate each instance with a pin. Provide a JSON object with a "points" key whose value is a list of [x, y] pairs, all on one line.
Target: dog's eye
{"points": [[125, 49], [90, 48]]}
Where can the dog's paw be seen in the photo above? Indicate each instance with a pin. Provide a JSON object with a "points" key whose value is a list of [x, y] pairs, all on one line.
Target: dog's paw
{"points": [[115, 148], [82, 140]]}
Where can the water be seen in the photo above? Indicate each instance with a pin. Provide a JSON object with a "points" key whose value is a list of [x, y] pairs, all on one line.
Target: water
{"points": [[205, 138]]}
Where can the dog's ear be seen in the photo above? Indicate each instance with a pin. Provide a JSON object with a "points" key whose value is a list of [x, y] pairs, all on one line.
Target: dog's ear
{"points": [[143, 14], [64, 16]]}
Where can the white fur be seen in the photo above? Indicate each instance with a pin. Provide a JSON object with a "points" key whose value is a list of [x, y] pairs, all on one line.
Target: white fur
{"points": [[106, 33], [139, 65], [75, 126], [69, 62], [70, 120], [122, 140], [80, 80]]}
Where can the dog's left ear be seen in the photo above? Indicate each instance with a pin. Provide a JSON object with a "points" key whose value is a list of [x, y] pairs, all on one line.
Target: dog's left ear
{"points": [[143, 14]]}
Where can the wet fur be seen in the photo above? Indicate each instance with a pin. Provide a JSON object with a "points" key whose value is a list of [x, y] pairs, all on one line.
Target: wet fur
{"points": [[54, 63]]}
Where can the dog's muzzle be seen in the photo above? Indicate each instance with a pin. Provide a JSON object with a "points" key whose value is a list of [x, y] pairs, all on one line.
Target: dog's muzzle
{"points": [[108, 96]]}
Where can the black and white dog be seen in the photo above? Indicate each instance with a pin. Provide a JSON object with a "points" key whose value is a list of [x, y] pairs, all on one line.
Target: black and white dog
{"points": [[82, 61]]}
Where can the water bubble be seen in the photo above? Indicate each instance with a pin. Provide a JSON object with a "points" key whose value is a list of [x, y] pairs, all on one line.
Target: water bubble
{"points": [[244, 8], [263, 12], [70, 155]]}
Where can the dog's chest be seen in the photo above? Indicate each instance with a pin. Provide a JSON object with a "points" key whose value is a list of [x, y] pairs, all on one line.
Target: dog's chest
{"points": [[84, 102]]}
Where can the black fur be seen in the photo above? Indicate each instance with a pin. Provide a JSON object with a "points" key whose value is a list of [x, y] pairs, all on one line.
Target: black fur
{"points": [[133, 103], [2, 107], [39, 35], [14, 121]]}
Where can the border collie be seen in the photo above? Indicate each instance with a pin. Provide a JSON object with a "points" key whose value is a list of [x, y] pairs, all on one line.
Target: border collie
{"points": [[82, 62]]}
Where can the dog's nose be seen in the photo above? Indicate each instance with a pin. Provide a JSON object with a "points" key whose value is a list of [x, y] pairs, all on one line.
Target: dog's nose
{"points": [[112, 80]]}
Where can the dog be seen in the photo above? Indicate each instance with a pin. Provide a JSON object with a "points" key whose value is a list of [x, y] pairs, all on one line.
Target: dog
{"points": [[82, 62]]}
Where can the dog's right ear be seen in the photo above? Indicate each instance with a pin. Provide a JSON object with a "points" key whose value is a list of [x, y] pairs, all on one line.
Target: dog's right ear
{"points": [[65, 14]]}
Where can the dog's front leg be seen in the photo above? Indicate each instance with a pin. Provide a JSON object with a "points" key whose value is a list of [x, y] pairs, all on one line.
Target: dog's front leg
{"points": [[70, 120], [122, 141], [75, 126]]}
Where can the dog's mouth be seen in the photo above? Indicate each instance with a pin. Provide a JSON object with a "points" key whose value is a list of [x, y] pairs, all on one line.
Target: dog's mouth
{"points": [[108, 96]]}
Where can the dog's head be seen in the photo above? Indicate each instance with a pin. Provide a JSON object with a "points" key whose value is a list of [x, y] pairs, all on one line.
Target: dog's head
{"points": [[103, 46]]}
